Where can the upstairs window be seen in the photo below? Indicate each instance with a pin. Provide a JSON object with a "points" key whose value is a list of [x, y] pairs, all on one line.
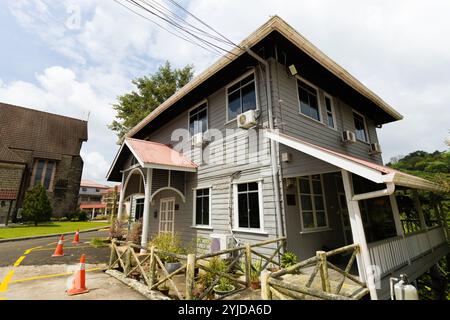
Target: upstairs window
{"points": [[202, 207], [312, 203], [330, 112], [309, 102], [43, 173], [360, 127], [198, 119], [241, 97]]}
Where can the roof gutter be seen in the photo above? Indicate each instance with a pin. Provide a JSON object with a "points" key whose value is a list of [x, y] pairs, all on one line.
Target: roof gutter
{"points": [[273, 147], [390, 189]]}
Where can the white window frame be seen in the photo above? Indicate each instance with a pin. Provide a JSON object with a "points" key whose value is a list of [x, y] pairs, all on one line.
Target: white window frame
{"points": [[236, 227], [312, 194], [365, 126], [205, 101], [319, 102], [333, 110], [194, 206], [173, 221], [135, 200], [252, 71]]}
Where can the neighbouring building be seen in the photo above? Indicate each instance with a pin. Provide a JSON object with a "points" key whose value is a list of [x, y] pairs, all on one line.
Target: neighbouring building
{"points": [[277, 140], [39, 147], [111, 199], [91, 197]]}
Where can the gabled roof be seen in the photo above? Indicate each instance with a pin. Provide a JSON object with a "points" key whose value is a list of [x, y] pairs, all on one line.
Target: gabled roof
{"points": [[274, 24], [47, 135], [153, 155], [366, 169]]}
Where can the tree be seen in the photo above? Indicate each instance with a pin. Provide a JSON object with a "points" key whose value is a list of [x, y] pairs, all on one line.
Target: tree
{"points": [[36, 206], [151, 92]]}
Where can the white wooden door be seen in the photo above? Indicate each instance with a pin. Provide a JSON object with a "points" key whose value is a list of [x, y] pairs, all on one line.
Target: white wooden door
{"points": [[167, 215]]}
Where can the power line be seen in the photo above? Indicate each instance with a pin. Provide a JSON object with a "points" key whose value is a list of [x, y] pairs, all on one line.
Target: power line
{"points": [[165, 29]]}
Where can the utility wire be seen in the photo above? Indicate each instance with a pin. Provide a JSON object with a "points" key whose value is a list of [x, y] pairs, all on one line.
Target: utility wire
{"points": [[165, 29], [178, 26]]}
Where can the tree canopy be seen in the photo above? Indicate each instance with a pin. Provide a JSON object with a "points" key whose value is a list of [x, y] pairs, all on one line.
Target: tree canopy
{"points": [[152, 91]]}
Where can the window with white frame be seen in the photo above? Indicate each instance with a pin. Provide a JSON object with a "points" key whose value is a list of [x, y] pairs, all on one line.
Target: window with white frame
{"points": [[330, 112], [241, 97], [360, 127], [202, 207], [248, 206], [43, 173], [198, 119], [312, 203], [309, 101]]}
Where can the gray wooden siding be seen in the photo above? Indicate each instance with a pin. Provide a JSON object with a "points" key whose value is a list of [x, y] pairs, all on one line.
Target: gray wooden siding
{"points": [[292, 122]]}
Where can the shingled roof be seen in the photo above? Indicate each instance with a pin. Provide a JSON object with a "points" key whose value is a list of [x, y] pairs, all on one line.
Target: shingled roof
{"points": [[47, 135]]}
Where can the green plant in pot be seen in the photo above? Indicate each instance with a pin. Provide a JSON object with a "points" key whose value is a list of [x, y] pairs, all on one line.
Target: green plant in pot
{"points": [[255, 274], [168, 243], [288, 259], [223, 287]]}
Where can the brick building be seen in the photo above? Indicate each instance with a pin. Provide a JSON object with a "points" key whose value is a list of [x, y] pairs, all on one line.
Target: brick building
{"points": [[39, 147]]}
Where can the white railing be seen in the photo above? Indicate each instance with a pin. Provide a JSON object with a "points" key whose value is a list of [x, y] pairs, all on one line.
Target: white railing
{"points": [[391, 254]]}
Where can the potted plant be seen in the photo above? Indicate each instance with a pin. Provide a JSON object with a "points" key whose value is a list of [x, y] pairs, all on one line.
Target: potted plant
{"points": [[223, 288], [255, 273], [170, 244], [288, 259]]}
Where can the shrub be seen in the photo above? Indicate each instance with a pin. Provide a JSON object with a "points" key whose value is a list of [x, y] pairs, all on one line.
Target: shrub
{"points": [[117, 230], [78, 215], [255, 271], [135, 233], [168, 243], [36, 206], [288, 259], [101, 217]]}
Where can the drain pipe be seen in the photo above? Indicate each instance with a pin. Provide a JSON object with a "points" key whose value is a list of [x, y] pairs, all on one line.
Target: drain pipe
{"points": [[274, 162], [390, 188]]}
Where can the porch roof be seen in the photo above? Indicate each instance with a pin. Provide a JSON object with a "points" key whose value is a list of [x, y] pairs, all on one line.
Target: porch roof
{"points": [[149, 155], [366, 169]]}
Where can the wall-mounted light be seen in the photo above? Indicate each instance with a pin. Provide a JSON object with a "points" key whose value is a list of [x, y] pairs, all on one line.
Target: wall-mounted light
{"points": [[293, 70]]}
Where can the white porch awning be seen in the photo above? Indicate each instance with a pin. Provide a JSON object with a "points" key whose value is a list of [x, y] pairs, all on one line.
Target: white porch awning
{"points": [[368, 170]]}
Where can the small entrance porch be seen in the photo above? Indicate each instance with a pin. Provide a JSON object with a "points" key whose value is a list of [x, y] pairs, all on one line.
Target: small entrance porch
{"points": [[154, 176]]}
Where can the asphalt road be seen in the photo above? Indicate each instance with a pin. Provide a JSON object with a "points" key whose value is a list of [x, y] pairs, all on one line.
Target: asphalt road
{"points": [[11, 251]]}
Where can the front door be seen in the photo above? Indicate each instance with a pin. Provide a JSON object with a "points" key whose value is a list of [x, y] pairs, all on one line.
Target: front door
{"points": [[167, 215]]}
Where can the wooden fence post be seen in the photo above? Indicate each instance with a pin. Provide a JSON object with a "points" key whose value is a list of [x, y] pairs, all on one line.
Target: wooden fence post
{"points": [[248, 264], [322, 257], [266, 294], [127, 259], [152, 267], [190, 275], [113, 255]]}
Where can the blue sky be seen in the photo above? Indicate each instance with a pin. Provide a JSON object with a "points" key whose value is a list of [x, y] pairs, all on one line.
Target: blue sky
{"points": [[75, 57]]}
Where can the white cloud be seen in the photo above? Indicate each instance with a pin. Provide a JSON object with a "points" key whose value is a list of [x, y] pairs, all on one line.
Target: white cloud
{"points": [[95, 165]]}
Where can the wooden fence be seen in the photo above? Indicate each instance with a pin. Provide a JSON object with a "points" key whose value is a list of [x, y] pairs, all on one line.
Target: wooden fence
{"points": [[278, 285], [146, 267]]}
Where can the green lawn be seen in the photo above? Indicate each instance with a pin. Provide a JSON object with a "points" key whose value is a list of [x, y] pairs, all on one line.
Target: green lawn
{"points": [[47, 228]]}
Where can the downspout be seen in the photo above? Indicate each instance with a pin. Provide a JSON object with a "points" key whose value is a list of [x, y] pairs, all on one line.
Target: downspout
{"points": [[280, 231], [390, 188]]}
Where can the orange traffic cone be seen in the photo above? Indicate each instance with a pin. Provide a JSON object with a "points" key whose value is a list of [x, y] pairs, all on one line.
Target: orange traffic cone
{"points": [[59, 248], [79, 282], [76, 240]]}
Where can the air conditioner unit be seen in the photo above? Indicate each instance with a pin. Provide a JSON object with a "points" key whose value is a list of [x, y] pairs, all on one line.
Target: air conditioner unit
{"points": [[220, 242], [348, 136], [247, 119], [198, 140], [375, 149], [286, 157]]}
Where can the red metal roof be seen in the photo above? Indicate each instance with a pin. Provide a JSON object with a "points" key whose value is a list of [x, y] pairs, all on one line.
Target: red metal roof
{"points": [[92, 206], [158, 154], [92, 184], [8, 194]]}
